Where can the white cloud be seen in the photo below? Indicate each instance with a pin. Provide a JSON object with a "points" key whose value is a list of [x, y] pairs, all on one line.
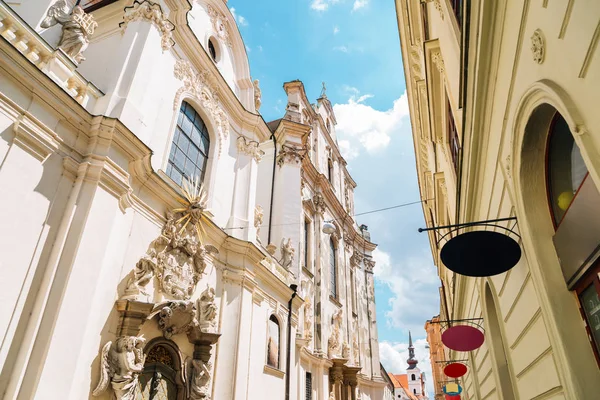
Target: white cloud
{"points": [[260, 48], [322, 5], [358, 4], [348, 152], [411, 281], [363, 126], [343, 49], [238, 18], [336, 30], [393, 356]]}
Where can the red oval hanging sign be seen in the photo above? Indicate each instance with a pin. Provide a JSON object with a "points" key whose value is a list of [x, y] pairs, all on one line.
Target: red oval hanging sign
{"points": [[455, 370], [462, 338]]}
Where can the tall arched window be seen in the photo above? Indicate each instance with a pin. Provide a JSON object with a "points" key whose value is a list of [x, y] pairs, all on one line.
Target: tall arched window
{"points": [[191, 142], [330, 171], [566, 169], [332, 268], [413, 377], [273, 342]]}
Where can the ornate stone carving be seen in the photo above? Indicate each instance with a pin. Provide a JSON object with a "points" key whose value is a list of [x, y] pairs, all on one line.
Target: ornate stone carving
{"points": [[356, 258], [308, 318], [220, 26], [207, 310], [258, 219], [437, 59], [152, 12], [249, 147], [257, 95], [319, 202], [177, 258], [176, 317], [197, 85], [120, 365], [200, 379], [438, 6], [369, 265], [538, 46], [334, 342], [345, 350], [291, 154], [287, 253], [77, 27]]}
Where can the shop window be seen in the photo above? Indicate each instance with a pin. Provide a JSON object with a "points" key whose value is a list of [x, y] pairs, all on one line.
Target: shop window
{"points": [[566, 169], [189, 150], [588, 293]]}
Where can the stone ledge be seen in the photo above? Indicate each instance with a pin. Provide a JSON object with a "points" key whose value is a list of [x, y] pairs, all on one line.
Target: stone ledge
{"points": [[274, 371]]}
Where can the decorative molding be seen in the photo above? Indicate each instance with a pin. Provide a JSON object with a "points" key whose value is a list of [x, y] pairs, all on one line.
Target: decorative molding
{"points": [[152, 12], [220, 25], [197, 85], [538, 46], [438, 6], [590, 52], [291, 154], [319, 202], [437, 59], [250, 148]]}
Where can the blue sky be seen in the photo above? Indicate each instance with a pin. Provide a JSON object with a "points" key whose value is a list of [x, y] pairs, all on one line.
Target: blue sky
{"points": [[353, 46]]}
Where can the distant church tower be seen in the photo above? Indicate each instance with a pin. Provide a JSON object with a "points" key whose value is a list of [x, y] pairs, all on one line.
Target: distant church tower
{"points": [[413, 373]]}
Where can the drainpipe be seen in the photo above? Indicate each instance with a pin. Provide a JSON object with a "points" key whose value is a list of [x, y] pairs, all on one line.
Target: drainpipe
{"points": [[272, 187], [288, 354]]}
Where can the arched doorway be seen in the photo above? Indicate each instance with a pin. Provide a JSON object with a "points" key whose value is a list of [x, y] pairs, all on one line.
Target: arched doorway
{"points": [[504, 385], [162, 375]]}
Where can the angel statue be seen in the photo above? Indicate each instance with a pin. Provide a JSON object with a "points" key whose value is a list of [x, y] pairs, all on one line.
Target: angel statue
{"points": [[120, 365], [207, 309], [200, 380], [287, 253], [77, 27]]}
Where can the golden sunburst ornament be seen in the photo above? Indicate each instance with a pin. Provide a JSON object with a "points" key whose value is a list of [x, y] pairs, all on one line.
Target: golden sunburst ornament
{"points": [[195, 208]]}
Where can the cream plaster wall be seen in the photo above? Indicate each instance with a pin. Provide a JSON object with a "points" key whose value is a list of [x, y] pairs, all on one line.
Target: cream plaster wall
{"points": [[539, 325]]}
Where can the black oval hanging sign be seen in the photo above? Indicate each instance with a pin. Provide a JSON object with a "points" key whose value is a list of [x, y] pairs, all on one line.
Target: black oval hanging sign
{"points": [[480, 253]]}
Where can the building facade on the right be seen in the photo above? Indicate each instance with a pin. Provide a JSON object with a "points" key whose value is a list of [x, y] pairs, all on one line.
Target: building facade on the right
{"points": [[503, 99]]}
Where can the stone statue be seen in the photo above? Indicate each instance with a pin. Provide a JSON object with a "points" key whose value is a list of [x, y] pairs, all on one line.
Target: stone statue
{"points": [[257, 95], [345, 350], [207, 310], [258, 219], [287, 253], [308, 319], [176, 317], [77, 27], [200, 380], [333, 343], [120, 365], [355, 348]]}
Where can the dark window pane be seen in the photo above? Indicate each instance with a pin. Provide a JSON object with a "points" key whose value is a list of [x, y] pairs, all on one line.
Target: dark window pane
{"points": [[169, 167], [199, 123], [189, 112], [204, 146], [201, 163], [176, 176], [198, 173], [180, 119]]}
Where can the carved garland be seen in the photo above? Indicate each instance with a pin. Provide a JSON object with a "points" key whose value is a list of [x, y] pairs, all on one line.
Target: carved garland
{"points": [[151, 12], [249, 147], [291, 154], [438, 61], [537, 46], [220, 25], [197, 85]]}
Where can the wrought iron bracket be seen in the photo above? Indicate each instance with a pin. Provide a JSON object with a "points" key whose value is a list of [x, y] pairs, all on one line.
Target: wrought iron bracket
{"points": [[489, 222]]}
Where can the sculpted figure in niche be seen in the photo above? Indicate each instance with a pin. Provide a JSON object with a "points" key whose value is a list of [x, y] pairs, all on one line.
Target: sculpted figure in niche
{"points": [[334, 342], [120, 365], [287, 253], [257, 95], [258, 220], [207, 309], [77, 27], [200, 380]]}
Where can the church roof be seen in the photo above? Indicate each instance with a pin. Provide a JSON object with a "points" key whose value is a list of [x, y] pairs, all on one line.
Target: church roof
{"points": [[400, 381]]}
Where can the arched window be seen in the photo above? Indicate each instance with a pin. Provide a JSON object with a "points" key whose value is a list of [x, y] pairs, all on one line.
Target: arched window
{"points": [[415, 391], [413, 377], [332, 268], [330, 171], [191, 142], [273, 342], [566, 169], [161, 377]]}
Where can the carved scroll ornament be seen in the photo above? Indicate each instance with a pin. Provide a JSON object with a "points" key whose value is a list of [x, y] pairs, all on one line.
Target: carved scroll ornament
{"points": [[152, 12]]}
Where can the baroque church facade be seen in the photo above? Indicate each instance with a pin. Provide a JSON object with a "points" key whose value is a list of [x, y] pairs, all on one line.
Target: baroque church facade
{"points": [[160, 240]]}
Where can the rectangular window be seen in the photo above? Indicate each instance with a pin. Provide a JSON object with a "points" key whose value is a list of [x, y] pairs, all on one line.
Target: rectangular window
{"points": [[453, 138], [308, 386], [353, 291], [306, 242], [333, 269], [457, 7]]}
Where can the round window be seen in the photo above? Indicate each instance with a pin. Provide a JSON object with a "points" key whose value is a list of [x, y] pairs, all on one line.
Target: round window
{"points": [[566, 168]]}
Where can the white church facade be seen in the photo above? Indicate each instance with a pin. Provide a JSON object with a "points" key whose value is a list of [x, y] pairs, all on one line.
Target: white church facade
{"points": [[160, 240]]}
